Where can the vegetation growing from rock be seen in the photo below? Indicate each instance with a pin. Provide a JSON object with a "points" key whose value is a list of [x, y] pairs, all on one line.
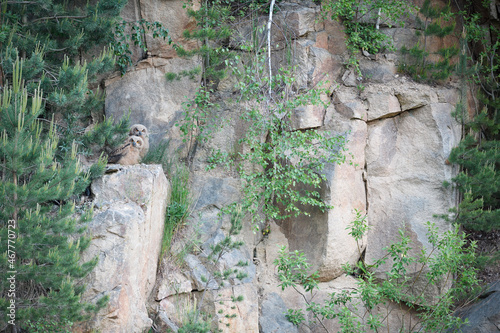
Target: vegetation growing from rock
{"points": [[121, 41], [449, 264], [196, 321], [437, 22], [362, 20], [287, 160]]}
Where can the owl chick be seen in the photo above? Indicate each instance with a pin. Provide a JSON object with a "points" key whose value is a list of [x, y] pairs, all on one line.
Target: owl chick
{"points": [[141, 131], [129, 153]]}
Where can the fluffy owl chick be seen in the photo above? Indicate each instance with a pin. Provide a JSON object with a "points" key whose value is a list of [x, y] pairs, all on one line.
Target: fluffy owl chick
{"points": [[129, 153], [141, 131]]}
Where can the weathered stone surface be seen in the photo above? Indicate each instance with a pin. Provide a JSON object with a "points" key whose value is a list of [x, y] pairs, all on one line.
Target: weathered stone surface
{"points": [[152, 100], [126, 234], [290, 23], [381, 71], [336, 37], [401, 36], [405, 175], [381, 104], [405, 163], [237, 316], [314, 64], [272, 318], [347, 104], [307, 116], [174, 283], [174, 310], [215, 191], [345, 190], [300, 21], [483, 316], [173, 16], [201, 277], [414, 96]]}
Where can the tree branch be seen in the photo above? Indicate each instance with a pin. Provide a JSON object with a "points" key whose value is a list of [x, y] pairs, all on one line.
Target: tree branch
{"points": [[58, 17]]}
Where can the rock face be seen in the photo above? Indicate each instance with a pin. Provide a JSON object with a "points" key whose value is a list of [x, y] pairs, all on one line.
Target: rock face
{"points": [[143, 90], [484, 316], [399, 136], [127, 231], [404, 173]]}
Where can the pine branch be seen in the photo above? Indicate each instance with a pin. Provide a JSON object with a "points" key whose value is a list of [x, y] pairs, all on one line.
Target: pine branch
{"points": [[59, 17]]}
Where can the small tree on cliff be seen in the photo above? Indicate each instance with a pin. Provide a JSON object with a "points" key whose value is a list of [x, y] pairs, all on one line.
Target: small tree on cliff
{"points": [[40, 234]]}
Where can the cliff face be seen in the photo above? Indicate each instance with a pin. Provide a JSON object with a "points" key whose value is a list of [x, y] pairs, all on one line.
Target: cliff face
{"points": [[399, 132]]}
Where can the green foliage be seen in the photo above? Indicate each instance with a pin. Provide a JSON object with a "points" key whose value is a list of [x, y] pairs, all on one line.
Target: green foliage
{"points": [[367, 307], [417, 62], [194, 324], [361, 20], [121, 41], [104, 134], [52, 37], [294, 270], [478, 154], [289, 163], [479, 182], [158, 155], [178, 208], [37, 194], [212, 31], [198, 122], [43, 326]]}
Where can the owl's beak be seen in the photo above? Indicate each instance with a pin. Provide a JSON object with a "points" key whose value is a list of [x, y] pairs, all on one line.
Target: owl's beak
{"points": [[133, 144]]}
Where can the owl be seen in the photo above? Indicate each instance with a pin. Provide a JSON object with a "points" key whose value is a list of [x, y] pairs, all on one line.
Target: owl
{"points": [[141, 131], [129, 153]]}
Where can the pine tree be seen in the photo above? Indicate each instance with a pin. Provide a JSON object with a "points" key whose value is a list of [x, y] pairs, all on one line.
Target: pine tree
{"points": [[40, 231], [478, 154], [54, 38]]}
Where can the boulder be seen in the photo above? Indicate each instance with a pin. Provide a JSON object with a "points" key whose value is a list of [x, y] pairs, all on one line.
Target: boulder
{"points": [[127, 232]]}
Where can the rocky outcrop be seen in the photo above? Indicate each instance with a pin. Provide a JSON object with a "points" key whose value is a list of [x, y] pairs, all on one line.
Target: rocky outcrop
{"points": [[399, 136], [127, 231]]}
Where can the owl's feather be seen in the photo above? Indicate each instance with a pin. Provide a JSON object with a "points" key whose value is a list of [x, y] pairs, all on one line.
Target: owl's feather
{"points": [[129, 153]]}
